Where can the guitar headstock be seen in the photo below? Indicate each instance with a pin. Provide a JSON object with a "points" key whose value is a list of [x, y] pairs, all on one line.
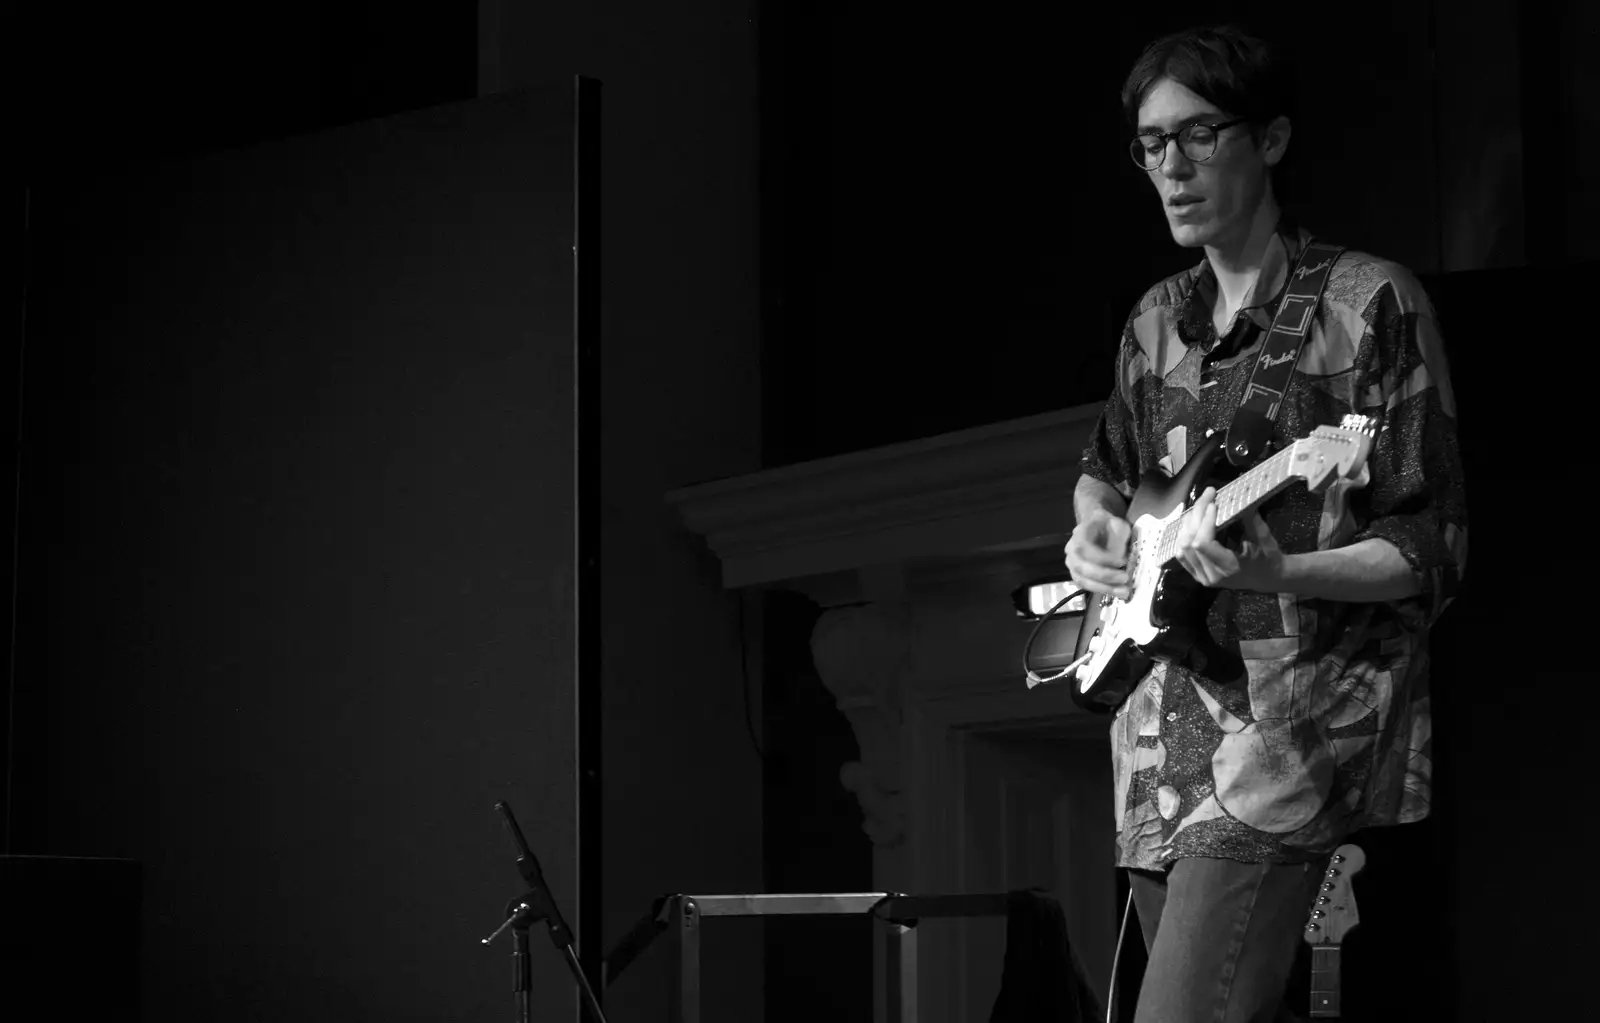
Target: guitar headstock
{"points": [[1333, 911], [1333, 451]]}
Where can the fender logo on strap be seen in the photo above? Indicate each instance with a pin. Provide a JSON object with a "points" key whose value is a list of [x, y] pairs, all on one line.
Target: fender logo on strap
{"points": [[1306, 271]]}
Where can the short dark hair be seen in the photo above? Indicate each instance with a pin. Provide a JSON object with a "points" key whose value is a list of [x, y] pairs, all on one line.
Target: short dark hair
{"points": [[1238, 73]]}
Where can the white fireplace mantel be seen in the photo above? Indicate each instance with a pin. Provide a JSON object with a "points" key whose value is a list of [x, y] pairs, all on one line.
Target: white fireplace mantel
{"points": [[959, 496], [967, 780]]}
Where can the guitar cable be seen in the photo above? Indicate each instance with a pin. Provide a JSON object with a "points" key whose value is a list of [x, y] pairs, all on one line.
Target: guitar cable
{"points": [[1033, 680], [1116, 957], [1027, 648]]}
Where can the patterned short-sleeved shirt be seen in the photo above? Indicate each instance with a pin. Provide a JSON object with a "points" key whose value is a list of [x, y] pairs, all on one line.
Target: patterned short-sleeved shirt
{"points": [[1328, 729]]}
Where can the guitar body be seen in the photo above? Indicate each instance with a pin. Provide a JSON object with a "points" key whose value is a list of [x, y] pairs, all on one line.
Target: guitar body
{"points": [[1164, 619]]}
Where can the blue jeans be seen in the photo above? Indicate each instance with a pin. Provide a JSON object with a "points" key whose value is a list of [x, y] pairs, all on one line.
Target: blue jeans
{"points": [[1222, 938]]}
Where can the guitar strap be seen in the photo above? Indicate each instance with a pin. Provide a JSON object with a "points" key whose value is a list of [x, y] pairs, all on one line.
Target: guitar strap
{"points": [[1251, 429]]}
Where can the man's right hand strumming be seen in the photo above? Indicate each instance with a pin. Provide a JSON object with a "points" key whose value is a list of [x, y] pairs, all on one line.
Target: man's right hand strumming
{"points": [[1097, 553]]}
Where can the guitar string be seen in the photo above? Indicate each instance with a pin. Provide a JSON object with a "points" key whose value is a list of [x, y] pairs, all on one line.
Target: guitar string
{"points": [[1254, 483], [1251, 482]]}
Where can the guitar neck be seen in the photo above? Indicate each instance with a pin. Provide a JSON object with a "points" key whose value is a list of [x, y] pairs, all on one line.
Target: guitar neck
{"points": [[1235, 500], [1324, 981]]}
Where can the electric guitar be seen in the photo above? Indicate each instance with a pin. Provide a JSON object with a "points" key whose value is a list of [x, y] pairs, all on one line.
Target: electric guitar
{"points": [[1163, 617], [1333, 914]]}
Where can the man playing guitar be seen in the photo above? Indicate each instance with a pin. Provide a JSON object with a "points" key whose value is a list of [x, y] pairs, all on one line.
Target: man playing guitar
{"points": [[1237, 776]]}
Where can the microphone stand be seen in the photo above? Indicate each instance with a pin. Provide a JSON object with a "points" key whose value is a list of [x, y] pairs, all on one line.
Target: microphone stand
{"points": [[521, 912]]}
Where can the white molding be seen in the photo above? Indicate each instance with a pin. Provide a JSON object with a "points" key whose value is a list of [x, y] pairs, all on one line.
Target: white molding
{"points": [[1003, 487]]}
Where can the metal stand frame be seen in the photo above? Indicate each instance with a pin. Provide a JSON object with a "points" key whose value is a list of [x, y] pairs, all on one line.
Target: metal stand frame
{"points": [[896, 919]]}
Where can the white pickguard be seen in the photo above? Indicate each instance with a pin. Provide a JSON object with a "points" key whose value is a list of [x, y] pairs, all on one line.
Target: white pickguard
{"points": [[1128, 621]]}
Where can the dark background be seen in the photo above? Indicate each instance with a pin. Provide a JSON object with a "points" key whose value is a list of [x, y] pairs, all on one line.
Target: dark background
{"points": [[951, 234]]}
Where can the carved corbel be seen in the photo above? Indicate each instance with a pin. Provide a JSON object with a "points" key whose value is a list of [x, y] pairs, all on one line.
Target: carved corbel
{"points": [[861, 654]]}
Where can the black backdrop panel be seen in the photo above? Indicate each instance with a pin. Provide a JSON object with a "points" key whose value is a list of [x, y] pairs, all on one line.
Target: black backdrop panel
{"points": [[297, 565]]}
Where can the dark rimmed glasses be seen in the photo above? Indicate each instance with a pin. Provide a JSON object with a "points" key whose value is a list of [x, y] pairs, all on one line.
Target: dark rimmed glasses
{"points": [[1198, 142]]}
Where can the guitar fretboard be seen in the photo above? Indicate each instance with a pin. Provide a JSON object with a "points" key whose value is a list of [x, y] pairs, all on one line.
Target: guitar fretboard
{"points": [[1324, 981], [1236, 499]]}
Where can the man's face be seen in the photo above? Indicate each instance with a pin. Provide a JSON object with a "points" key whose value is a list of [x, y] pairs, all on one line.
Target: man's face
{"points": [[1229, 186]]}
